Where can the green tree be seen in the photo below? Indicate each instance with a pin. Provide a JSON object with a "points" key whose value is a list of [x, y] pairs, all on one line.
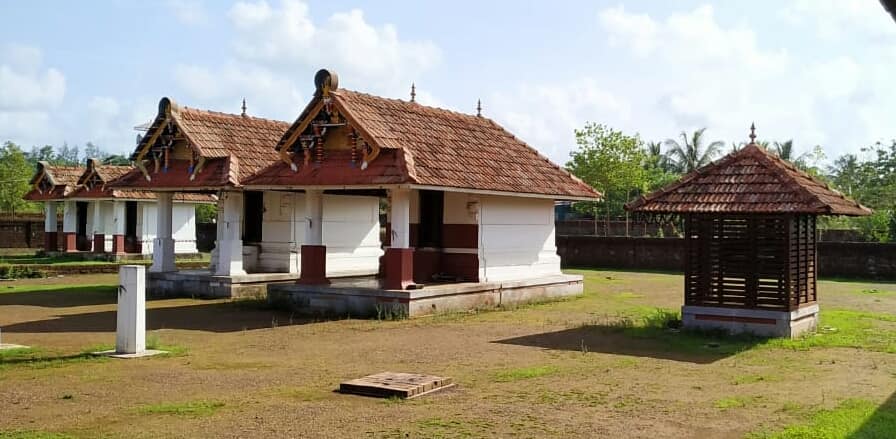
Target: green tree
{"points": [[14, 176], [692, 153], [610, 161]]}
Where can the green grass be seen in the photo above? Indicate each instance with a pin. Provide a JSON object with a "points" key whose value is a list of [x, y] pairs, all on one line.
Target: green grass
{"points": [[852, 419], [34, 358], [845, 328], [188, 409], [31, 434], [524, 373], [61, 287]]}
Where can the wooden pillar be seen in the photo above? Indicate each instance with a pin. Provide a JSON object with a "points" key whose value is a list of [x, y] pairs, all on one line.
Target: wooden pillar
{"points": [[51, 240], [399, 258], [314, 252], [163, 245]]}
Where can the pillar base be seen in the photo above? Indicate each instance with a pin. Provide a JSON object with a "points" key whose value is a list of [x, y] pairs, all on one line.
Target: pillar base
{"points": [[399, 268], [51, 241], [70, 243], [99, 243], [314, 265], [163, 256], [764, 323], [118, 244]]}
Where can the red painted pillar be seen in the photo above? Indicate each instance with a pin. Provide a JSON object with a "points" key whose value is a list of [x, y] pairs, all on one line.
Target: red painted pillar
{"points": [[399, 268], [71, 242], [51, 241], [99, 243], [314, 265], [118, 244]]}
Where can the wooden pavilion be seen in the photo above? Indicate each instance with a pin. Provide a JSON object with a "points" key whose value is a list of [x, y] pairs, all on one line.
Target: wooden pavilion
{"points": [[750, 238]]}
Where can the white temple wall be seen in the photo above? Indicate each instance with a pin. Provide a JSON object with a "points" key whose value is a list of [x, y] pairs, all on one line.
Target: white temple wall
{"points": [[183, 227], [517, 239]]}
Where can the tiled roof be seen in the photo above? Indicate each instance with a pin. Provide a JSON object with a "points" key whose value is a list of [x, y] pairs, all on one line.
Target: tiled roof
{"points": [[437, 147], [58, 175], [98, 192], [751, 180], [249, 140], [63, 180], [214, 174]]}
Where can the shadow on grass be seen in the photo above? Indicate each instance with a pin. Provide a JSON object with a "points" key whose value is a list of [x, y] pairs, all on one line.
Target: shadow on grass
{"points": [[640, 341], [62, 296], [881, 424], [212, 317]]}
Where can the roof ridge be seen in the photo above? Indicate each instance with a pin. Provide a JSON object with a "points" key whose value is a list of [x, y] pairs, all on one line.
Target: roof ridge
{"points": [[230, 115], [411, 104]]}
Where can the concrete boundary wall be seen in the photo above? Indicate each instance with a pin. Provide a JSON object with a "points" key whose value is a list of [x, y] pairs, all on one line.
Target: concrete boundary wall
{"points": [[863, 260]]}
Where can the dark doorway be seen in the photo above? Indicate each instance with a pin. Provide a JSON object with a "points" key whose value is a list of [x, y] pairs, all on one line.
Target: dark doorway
{"points": [[132, 243], [432, 210], [253, 212], [82, 244]]}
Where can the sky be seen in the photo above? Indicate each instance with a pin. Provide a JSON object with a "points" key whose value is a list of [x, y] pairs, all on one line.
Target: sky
{"points": [[815, 71]]}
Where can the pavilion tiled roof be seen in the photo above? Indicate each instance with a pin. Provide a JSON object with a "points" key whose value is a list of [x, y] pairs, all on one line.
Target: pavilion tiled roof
{"points": [[63, 180], [234, 146], [435, 147], [751, 180]]}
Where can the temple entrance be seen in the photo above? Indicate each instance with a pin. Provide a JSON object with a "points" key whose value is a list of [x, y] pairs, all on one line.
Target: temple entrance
{"points": [[253, 214], [131, 241], [82, 243]]}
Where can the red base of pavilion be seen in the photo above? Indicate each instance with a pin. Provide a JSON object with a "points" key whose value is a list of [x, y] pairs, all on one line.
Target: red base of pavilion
{"points": [[51, 241], [99, 243], [314, 265], [118, 244], [70, 245], [399, 268]]}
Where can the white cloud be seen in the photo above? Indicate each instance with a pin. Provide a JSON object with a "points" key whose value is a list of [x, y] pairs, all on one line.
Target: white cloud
{"points": [[26, 85], [189, 12], [277, 49], [28, 93], [546, 115], [834, 19], [285, 38]]}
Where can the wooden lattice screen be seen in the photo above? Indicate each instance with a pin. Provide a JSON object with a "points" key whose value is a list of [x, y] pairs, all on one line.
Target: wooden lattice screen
{"points": [[750, 261]]}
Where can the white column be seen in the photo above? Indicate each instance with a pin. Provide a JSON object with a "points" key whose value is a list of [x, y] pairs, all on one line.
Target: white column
{"points": [[401, 217], [50, 216], [163, 245], [314, 208], [118, 217], [230, 234], [130, 332], [70, 218]]}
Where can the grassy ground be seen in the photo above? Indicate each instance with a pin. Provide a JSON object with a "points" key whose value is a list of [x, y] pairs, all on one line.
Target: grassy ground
{"points": [[602, 365]]}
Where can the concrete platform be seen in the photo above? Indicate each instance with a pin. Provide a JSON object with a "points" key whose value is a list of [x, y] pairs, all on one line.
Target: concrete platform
{"points": [[361, 301], [764, 323], [202, 283], [114, 354]]}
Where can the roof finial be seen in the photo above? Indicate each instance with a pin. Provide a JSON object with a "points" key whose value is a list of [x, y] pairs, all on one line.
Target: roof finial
{"points": [[753, 133], [413, 92], [479, 107], [244, 107]]}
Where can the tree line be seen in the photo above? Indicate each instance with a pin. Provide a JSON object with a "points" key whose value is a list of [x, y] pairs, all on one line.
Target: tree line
{"points": [[17, 166], [623, 166]]}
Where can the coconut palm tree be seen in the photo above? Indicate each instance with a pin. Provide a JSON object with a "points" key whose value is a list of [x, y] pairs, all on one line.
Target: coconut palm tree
{"points": [[656, 159], [692, 153], [785, 151]]}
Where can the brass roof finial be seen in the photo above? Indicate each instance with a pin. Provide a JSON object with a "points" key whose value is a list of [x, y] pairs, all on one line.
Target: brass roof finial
{"points": [[753, 133], [244, 107], [479, 107], [413, 92]]}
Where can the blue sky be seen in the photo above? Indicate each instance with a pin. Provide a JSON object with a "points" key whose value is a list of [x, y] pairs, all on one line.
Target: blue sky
{"points": [[816, 71]]}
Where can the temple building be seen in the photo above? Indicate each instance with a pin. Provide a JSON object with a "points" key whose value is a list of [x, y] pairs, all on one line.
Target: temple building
{"points": [[362, 202], [104, 221], [750, 237]]}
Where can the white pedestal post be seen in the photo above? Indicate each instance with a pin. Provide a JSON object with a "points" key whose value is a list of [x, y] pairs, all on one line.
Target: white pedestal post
{"points": [[130, 333], [130, 330]]}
